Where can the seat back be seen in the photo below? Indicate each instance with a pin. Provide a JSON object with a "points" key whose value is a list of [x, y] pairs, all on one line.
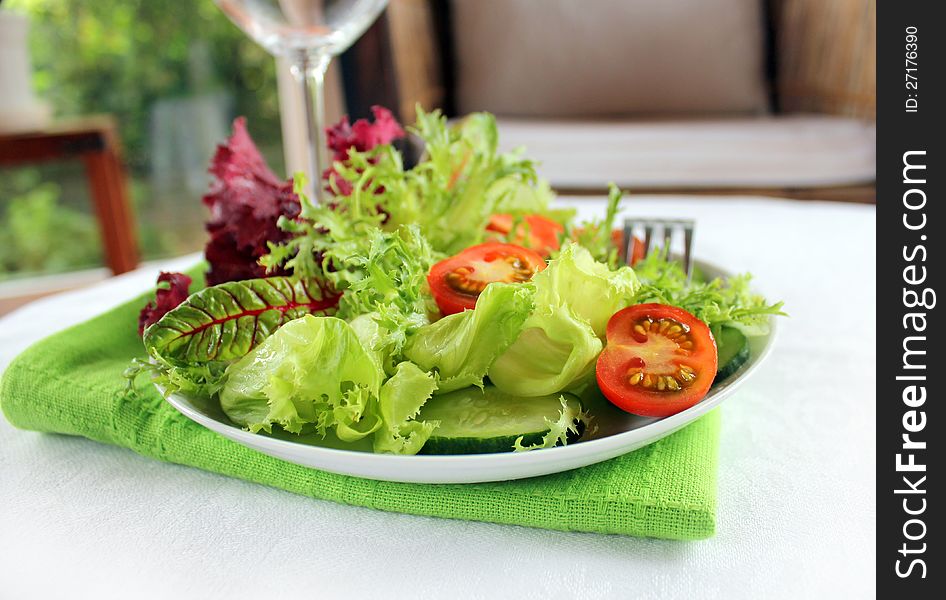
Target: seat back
{"points": [[580, 58]]}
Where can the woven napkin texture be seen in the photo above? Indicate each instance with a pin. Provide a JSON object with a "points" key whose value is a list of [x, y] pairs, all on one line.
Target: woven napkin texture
{"points": [[71, 383]]}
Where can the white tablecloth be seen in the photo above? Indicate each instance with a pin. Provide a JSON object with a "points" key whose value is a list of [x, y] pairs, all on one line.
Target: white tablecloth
{"points": [[796, 473]]}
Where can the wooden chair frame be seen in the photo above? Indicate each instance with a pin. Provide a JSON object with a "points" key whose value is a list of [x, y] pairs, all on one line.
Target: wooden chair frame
{"points": [[93, 140]]}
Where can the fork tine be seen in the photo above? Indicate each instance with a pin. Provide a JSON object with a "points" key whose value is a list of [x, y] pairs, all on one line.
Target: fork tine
{"points": [[648, 235], [628, 240], [667, 229], [688, 249]]}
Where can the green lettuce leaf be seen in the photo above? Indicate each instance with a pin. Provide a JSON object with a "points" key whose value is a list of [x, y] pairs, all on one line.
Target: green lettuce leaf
{"points": [[555, 352], [717, 303], [449, 195], [383, 274], [372, 338], [574, 299], [589, 288], [569, 419], [462, 347], [463, 180], [311, 375], [378, 272], [516, 195], [402, 397]]}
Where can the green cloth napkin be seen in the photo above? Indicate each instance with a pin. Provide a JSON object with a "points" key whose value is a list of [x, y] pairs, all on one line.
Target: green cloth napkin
{"points": [[72, 383]]}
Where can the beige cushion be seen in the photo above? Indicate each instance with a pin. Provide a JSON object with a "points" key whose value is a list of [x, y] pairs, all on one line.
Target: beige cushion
{"points": [[789, 151], [571, 58]]}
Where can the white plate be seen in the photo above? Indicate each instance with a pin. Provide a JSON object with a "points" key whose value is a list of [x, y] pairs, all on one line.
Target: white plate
{"points": [[618, 433]]}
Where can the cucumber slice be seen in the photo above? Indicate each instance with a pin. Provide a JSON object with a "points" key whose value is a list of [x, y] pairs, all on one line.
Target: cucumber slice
{"points": [[733, 352], [475, 421]]}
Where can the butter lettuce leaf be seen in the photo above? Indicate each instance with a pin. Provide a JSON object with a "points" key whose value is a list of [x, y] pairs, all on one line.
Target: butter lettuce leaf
{"points": [[461, 347], [555, 352], [402, 397], [588, 287], [311, 375], [574, 299]]}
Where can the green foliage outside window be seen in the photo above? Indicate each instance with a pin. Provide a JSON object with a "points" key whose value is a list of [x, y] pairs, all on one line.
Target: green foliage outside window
{"points": [[120, 57]]}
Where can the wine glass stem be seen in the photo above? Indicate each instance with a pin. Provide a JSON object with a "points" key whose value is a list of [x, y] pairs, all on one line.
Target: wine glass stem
{"points": [[309, 72]]}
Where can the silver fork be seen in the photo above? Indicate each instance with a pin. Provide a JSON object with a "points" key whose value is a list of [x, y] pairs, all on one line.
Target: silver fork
{"points": [[664, 228]]}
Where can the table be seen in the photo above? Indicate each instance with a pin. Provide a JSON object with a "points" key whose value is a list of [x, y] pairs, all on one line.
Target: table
{"points": [[796, 474], [95, 141]]}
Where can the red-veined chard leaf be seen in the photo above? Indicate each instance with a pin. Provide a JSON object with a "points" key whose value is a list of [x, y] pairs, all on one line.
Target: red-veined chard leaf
{"points": [[224, 322]]}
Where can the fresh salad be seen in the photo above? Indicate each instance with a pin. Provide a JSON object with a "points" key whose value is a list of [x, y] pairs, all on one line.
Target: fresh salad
{"points": [[443, 307]]}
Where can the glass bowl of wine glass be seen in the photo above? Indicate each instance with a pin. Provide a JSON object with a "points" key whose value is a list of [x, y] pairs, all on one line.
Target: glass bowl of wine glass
{"points": [[308, 34]]}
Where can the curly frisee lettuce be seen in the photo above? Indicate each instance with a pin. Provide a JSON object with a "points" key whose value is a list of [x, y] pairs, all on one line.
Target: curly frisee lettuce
{"points": [[719, 302]]}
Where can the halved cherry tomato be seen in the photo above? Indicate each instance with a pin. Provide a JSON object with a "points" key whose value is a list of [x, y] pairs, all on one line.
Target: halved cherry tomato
{"points": [[659, 360], [543, 232], [637, 251], [637, 246], [456, 282]]}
